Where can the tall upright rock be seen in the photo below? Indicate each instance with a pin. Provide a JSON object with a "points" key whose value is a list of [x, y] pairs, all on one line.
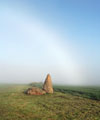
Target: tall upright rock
{"points": [[48, 84]]}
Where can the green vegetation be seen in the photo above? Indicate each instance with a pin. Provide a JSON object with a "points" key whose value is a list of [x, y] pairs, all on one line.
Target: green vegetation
{"points": [[87, 92], [15, 105], [92, 92], [36, 84]]}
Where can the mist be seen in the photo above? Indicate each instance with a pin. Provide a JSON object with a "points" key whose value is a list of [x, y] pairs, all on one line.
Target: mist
{"points": [[31, 48]]}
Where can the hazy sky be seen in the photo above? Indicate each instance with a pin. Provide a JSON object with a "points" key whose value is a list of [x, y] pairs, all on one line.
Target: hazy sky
{"points": [[60, 37]]}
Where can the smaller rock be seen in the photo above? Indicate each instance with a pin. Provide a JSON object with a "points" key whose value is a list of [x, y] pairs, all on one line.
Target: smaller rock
{"points": [[35, 91]]}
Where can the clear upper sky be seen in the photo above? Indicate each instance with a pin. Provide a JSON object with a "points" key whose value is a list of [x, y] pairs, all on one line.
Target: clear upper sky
{"points": [[61, 37]]}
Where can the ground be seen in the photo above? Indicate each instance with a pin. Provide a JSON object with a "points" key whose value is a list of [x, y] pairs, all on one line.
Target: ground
{"points": [[15, 105]]}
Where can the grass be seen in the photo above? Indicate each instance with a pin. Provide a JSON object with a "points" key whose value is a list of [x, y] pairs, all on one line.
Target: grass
{"points": [[14, 104], [92, 92]]}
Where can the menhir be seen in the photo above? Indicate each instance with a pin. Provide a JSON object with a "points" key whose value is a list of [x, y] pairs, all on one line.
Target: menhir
{"points": [[47, 87]]}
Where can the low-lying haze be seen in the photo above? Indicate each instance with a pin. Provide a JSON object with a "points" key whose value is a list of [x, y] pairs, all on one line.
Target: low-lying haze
{"points": [[60, 38]]}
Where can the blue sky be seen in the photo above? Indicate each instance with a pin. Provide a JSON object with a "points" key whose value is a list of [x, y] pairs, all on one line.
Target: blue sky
{"points": [[60, 37]]}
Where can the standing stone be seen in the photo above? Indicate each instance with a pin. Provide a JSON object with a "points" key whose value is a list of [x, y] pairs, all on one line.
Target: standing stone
{"points": [[48, 84]]}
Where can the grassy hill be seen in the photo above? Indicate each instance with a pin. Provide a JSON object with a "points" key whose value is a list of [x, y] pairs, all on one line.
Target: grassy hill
{"points": [[14, 104], [91, 92]]}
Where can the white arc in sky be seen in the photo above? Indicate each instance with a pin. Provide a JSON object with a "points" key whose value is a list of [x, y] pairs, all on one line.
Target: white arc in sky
{"points": [[45, 45]]}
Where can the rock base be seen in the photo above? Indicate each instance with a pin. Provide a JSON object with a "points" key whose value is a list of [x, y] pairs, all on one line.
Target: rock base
{"points": [[35, 91]]}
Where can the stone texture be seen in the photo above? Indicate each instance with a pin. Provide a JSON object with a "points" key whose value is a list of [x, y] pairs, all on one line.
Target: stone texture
{"points": [[47, 87], [35, 91]]}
